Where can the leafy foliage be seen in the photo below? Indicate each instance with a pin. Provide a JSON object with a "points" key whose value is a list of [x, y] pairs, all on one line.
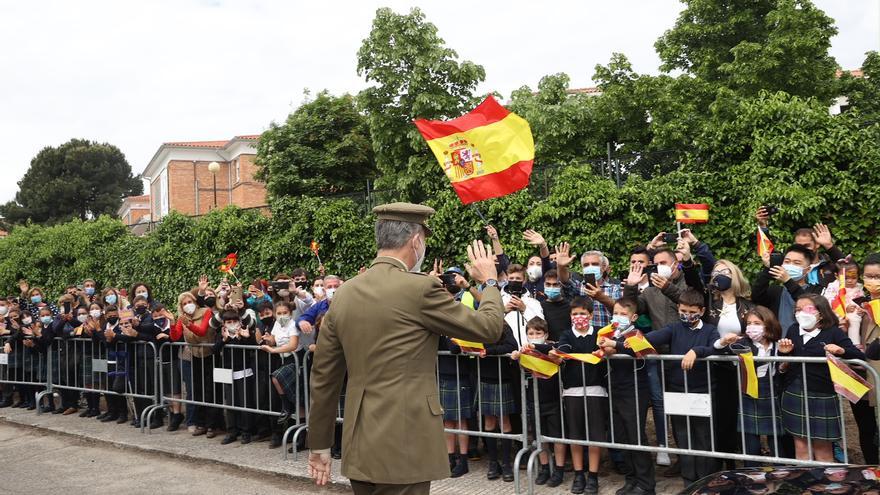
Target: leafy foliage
{"points": [[79, 179], [323, 148]]}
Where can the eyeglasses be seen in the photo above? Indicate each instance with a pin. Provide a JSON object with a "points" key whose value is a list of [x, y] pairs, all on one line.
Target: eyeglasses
{"points": [[722, 271]]}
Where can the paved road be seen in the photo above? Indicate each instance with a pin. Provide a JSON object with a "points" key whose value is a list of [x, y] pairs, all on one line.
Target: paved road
{"points": [[35, 461]]}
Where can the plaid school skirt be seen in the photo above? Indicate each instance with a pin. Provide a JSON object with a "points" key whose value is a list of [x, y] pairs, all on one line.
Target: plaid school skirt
{"points": [[496, 399], [757, 414], [287, 377], [824, 414], [457, 399]]}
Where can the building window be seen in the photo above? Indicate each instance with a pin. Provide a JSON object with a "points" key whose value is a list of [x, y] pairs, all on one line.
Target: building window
{"points": [[237, 171]]}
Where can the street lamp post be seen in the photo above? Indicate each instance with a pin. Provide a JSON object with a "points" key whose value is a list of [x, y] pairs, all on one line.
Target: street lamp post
{"points": [[214, 167]]}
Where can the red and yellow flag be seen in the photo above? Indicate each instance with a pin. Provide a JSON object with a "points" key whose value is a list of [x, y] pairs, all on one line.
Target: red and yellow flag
{"points": [[467, 346], [748, 374], [228, 263], [639, 344], [691, 213], [839, 302], [846, 382], [608, 330], [315, 247], [540, 364], [594, 357], [765, 245], [873, 307], [486, 153]]}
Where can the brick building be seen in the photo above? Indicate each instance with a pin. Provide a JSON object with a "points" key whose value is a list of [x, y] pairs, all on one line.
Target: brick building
{"points": [[180, 177], [135, 209]]}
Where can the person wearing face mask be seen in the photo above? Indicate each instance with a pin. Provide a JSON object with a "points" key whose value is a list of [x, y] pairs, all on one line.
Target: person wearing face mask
{"points": [[90, 290], [318, 288], [631, 398], [113, 338], [792, 277], [111, 297], [194, 325], [537, 266], [239, 331], [760, 417], [519, 306], [693, 338], [281, 344], [56, 332], [852, 289], [306, 323], [594, 265], [143, 355], [392, 305], [88, 338], [32, 299], [163, 321], [557, 310], [815, 333], [869, 335], [140, 289]]}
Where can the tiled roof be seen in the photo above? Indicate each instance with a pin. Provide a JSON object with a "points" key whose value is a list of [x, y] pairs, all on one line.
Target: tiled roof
{"points": [[575, 91], [854, 73], [143, 197], [211, 144]]}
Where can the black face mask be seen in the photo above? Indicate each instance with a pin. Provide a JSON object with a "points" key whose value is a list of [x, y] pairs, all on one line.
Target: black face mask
{"points": [[268, 321], [140, 310], [210, 301], [113, 320], [721, 283]]}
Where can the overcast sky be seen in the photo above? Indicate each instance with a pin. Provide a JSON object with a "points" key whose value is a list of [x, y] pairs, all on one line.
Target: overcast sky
{"points": [[136, 74]]}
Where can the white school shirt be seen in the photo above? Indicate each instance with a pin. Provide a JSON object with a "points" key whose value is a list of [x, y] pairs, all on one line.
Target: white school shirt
{"points": [[589, 391], [284, 333], [533, 309]]}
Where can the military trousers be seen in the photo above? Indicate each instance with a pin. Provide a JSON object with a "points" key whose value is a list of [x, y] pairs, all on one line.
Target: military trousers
{"points": [[367, 488]]}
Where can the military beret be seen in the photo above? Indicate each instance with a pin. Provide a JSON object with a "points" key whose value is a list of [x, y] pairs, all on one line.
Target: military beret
{"points": [[404, 212]]}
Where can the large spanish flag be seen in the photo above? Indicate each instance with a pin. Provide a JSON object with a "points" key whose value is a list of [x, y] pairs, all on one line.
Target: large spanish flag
{"points": [[486, 153], [691, 213]]}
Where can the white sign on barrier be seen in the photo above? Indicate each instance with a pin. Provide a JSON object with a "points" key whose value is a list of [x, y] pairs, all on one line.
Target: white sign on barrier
{"points": [[99, 365], [223, 375], [690, 404], [4, 358]]}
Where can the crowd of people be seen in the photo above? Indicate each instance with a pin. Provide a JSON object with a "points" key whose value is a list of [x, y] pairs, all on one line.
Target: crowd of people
{"points": [[676, 293]]}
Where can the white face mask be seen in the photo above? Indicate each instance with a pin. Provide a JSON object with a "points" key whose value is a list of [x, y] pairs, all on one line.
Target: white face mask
{"points": [[27, 320], [96, 313], [537, 341], [623, 322], [806, 321], [330, 293], [144, 294], [664, 271], [189, 308], [284, 320], [4, 310], [232, 327], [82, 318], [534, 272], [755, 332], [420, 259], [319, 291]]}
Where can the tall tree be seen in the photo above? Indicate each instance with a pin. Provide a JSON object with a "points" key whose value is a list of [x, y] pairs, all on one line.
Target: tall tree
{"points": [[863, 93], [79, 179], [414, 75], [323, 148]]}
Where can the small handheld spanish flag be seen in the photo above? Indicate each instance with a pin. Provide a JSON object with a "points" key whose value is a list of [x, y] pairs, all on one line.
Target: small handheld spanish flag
{"points": [[639, 344], [541, 365], [748, 374], [228, 263], [765, 245], [846, 382], [467, 346], [839, 302], [486, 153], [608, 330], [691, 213], [594, 357], [873, 308]]}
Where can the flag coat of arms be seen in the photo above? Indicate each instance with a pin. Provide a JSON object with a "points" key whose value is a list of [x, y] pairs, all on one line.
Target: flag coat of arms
{"points": [[486, 153], [691, 213]]}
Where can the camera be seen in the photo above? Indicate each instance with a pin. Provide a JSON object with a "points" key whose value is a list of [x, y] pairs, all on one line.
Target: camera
{"points": [[277, 286], [448, 280], [670, 238], [302, 284], [515, 289], [770, 209]]}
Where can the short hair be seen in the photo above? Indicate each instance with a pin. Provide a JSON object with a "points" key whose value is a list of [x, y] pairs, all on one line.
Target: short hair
{"points": [[829, 317], [394, 234], [158, 307], [641, 250], [603, 260], [583, 302], [692, 297], [871, 259], [299, 272], [629, 303], [662, 250], [538, 323], [284, 304], [266, 305], [552, 273], [772, 328], [281, 275], [803, 231], [110, 308], [797, 248], [516, 268], [332, 277], [230, 315], [139, 299]]}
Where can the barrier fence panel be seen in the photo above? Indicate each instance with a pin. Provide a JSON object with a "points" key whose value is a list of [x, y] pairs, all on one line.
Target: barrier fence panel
{"points": [[25, 365], [115, 369], [237, 379], [691, 409]]}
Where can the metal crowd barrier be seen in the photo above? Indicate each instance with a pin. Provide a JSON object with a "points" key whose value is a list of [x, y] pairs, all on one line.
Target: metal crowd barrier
{"points": [[25, 367], [231, 380], [703, 408], [95, 366]]}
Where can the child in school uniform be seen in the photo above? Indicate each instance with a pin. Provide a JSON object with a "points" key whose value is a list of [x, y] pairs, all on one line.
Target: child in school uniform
{"points": [[537, 333], [694, 339], [815, 332], [630, 398], [457, 398], [497, 402], [584, 396]]}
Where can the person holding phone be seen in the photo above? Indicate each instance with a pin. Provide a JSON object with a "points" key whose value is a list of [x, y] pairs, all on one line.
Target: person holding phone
{"points": [[596, 282], [519, 306], [793, 283]]}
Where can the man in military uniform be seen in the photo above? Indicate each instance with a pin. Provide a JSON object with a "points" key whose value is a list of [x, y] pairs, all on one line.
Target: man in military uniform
{"points": [[383, 330]]}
